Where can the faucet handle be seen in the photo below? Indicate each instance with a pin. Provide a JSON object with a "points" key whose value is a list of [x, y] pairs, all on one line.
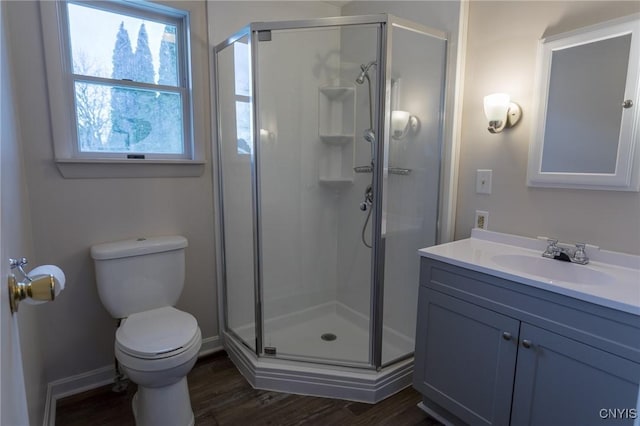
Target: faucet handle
{"points": [[552, 245], [552, 248], [580, 256]]}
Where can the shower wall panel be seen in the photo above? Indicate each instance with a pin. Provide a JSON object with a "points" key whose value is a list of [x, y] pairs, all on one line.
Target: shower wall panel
{"points": [[411, 211], [235, 165]]}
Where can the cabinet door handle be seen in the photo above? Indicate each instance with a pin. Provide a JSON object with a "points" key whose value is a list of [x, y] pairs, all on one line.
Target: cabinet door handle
{"points": [[527, 343], [506, 335]]}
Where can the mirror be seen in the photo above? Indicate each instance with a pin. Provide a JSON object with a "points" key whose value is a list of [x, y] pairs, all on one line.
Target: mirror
{"points": [[586, 125]]}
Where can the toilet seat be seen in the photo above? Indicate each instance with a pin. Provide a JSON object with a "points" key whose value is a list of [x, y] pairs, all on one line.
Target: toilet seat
{"points": [[158, 333]]}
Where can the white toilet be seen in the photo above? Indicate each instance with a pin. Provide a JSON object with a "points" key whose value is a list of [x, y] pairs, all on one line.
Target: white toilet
{"points": [[139, 281]]}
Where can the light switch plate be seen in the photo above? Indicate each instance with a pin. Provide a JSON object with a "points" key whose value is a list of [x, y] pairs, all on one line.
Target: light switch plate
{"points": [[483, 181]]}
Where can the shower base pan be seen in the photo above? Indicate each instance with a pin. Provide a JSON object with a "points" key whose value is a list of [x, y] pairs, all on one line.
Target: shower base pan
{"points": [[329, 332]]}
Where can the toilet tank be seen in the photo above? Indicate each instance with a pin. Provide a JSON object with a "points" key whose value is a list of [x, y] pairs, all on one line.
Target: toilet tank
{"points": [[139, 274]]}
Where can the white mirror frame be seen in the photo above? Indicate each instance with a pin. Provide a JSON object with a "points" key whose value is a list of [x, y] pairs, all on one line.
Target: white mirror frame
{"points": [[627, 173]]}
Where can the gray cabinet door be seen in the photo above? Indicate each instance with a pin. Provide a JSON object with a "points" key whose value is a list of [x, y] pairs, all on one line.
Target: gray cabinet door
{"points": [[465, 358], [560, 381]]}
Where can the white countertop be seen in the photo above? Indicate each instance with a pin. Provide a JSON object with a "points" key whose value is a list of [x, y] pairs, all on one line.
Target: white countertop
{"points": [[620, 290]]}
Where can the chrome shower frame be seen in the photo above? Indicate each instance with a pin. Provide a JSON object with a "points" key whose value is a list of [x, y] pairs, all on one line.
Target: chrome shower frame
{"points": [[382, 121]]}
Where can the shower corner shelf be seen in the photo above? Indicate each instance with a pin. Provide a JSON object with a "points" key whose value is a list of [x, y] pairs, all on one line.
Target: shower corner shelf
{"points": [[336, 111], [335, 182], [337, 92], [336, 139], [336, 131]]}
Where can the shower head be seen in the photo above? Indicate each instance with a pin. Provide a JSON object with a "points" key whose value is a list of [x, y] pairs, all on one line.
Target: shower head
{"points": [[365, 72], [369, 136]]}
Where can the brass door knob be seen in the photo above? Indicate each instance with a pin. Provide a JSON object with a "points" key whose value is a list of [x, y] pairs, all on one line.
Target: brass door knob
{"points": [[41, 288]]}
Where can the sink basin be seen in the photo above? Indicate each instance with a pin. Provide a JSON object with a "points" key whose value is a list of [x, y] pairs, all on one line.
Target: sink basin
{"points": [[553, 270], [610, 280]]}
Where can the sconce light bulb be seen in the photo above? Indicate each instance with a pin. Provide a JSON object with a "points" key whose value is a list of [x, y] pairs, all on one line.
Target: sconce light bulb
{"points": [[402, 122], [501, 112], [496, 106]]}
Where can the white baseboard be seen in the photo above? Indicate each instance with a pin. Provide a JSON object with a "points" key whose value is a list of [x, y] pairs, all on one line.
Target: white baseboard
{"points": [[102, 376], [210, 345], [72, 385]]}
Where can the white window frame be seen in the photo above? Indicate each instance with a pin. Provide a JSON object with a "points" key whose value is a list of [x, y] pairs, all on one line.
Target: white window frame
{"points": [[61, 79]]}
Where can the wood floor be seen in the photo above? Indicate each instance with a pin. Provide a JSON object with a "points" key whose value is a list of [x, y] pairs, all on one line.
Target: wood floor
{"points": [[221, 396]]}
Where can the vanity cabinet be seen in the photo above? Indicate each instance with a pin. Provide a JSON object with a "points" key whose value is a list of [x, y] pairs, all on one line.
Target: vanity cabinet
{"points": [[494, 352], [562, 381]]}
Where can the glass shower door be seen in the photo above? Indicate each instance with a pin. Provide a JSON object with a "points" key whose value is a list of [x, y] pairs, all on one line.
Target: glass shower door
{"points": [[315, 271], [235, 187]]}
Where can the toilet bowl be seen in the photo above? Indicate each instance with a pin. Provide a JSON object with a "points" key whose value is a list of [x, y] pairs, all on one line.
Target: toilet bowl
{"points": [[156, 345], [156, 349]]}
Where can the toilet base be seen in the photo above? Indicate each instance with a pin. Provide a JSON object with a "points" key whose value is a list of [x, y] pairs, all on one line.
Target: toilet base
{"points": [[164, 406]]}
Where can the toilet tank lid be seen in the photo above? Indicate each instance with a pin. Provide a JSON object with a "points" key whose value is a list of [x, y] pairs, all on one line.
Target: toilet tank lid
{"points": [[137, 247]]}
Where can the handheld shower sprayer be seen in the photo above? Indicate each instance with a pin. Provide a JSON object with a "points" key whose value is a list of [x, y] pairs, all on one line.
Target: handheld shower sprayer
{"points": [[368, 135], [365, 72]]}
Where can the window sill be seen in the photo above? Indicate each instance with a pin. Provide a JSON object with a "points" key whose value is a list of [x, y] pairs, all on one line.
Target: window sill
{"points": [[94, 169]]}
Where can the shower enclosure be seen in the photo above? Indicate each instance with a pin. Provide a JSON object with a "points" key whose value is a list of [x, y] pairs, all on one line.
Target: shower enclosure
{"points": [[328, 159]]}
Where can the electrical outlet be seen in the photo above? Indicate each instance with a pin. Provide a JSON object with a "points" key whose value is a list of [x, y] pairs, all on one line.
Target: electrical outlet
{"points": [[483, 181], [482, 220]]}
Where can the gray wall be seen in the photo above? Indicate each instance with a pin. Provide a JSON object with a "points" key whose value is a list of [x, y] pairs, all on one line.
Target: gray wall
{"points": [[501, 57], [69, 215]]}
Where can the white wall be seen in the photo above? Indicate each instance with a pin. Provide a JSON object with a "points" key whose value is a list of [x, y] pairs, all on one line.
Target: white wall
{"points": [[502, 57], [28, 396], [69, 215]]}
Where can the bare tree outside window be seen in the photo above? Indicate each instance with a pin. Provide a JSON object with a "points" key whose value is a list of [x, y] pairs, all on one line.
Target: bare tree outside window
{"points": [[92, 107]]}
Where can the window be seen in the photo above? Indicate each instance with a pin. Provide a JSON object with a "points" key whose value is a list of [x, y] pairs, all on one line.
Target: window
{"points": [[120, 83], [241, 58], [126, 68]]}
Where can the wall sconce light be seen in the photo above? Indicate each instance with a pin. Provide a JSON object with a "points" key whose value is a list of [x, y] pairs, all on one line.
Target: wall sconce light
{"points": [[267, 136], [501, 112], [402, 123]]}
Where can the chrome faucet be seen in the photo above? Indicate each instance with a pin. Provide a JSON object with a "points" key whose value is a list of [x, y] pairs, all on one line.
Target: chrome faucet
{"points": [[552, 249], [577, 255]]}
